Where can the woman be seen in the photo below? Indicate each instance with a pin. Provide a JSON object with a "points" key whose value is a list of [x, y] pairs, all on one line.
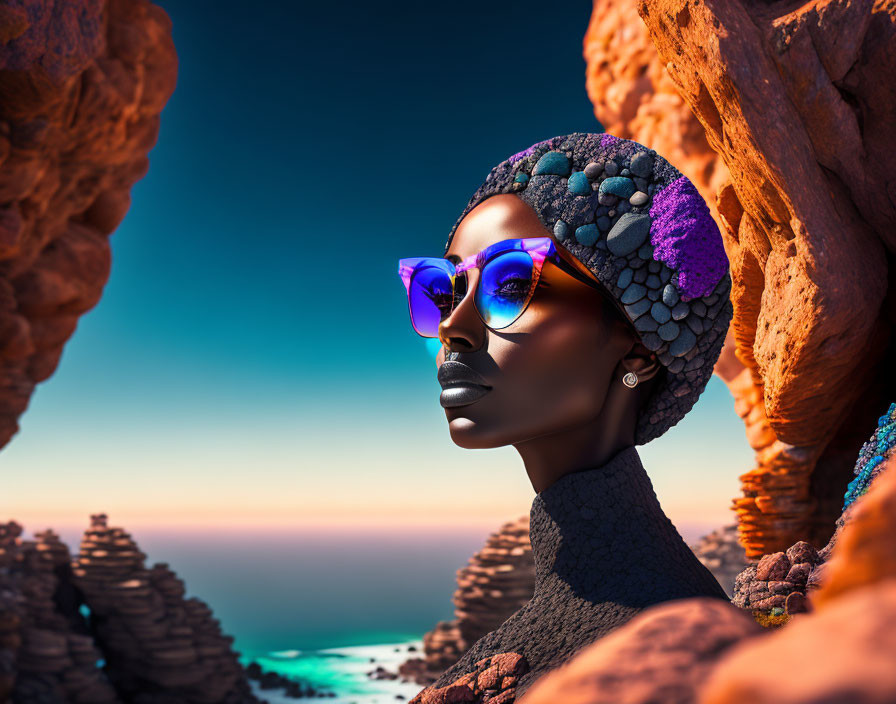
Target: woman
{"points": [[582, 303]]}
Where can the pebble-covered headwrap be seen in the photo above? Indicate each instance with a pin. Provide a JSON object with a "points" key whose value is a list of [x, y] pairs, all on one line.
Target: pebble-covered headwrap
{"points": [[647, 234]]}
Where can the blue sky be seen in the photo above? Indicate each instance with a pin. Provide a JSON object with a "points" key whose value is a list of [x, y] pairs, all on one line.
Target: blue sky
{"points": [[251, 358]]}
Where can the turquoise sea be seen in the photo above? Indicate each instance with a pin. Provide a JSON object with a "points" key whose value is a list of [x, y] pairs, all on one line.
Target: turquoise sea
{"points": [[319, 604]]}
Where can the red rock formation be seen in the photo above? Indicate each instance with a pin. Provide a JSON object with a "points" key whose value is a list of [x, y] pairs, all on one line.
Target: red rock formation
{"points": [[82, 83], [493, 682], [807, 160], [662, 655], [157, 644], [496, 581], [843, 650], [54, 656], [158, 647]]}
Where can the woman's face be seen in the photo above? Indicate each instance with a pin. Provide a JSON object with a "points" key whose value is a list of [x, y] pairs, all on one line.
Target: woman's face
{"points": [[549, 371]]}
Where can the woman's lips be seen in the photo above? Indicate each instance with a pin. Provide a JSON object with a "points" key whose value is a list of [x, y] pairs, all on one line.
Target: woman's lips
{"points": [[461, 394], [461, 385]]}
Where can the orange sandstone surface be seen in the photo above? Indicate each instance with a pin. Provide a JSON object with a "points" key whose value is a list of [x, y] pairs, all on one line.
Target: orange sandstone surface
{"points": [[82, 84], [782, 117]]}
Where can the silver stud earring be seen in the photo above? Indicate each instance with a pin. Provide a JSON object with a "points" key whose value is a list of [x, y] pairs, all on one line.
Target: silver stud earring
{"points": [[630, 380]]}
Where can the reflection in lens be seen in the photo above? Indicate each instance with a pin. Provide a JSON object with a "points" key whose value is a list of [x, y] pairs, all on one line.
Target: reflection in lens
{"points": [[504, 287], [430, 296]]}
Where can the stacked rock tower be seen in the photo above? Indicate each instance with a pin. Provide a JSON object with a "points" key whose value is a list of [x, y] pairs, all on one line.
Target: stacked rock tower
{"points": [[160, 646]]}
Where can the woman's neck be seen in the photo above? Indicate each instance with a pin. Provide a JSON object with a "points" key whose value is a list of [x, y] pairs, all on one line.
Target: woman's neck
{"points": [[550, 457], [602, 533]]}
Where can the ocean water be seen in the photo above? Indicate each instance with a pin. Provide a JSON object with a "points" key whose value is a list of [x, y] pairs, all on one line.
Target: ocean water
{"points": [[318, 604], [345, 672]]}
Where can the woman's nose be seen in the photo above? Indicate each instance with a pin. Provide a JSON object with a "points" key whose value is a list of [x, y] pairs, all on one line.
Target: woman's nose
{"points": [[463, 330]]}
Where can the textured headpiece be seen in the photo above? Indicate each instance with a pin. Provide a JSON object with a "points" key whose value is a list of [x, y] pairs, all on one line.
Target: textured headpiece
{"points": [[647, 234]]}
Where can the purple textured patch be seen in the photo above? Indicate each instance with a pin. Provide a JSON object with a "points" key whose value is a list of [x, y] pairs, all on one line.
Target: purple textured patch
{"points": [[607, 140], [526, 152], [687, 239]]}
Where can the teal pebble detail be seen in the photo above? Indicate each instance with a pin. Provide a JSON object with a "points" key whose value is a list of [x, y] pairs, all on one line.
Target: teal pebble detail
{"points": [[660, 312], [556, 163], [521, 178], [637, 309], [587, 234], [669, 331], [634, 292], [561, 230], [579, 184], [683, 343], [619, 186]]}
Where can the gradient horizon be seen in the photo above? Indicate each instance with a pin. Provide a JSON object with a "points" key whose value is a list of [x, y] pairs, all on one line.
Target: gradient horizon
{"points": [[251, 364]]}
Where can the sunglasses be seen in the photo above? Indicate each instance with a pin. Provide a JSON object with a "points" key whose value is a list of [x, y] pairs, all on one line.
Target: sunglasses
{"points": [[508, 276]]}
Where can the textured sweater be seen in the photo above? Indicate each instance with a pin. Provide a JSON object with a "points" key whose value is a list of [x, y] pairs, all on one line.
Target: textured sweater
{"points": [[604, 550]]}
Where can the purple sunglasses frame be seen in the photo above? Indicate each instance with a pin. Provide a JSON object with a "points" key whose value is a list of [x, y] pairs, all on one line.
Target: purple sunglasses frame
{"points": [[540, 249]]}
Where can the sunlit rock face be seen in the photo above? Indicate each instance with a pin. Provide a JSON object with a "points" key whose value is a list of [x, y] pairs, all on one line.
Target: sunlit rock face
{"points": [[82, 84], [781, 121]]}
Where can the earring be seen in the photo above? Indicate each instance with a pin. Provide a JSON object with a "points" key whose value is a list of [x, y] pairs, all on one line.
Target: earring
{"points": [[630, 380]]}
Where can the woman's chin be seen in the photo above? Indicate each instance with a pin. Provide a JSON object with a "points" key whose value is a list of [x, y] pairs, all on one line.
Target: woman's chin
{"points": [[471, 435]]}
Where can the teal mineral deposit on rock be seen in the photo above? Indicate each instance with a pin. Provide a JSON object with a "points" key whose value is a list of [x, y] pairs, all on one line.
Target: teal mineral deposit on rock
{"points": [[587, 234], [556, 163], [619, 186], [521, 178], [629, 233], [579, 184]]}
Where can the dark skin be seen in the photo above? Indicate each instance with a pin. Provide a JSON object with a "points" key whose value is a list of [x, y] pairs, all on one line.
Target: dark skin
{"points": [[556, 372]]}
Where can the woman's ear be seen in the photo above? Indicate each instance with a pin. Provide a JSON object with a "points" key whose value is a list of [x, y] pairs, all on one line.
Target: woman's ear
{"points": [[642, 362]]}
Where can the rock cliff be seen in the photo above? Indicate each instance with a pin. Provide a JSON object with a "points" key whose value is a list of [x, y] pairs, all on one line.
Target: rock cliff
{"points": [[103, 628], [778, 114], [82, 84]]}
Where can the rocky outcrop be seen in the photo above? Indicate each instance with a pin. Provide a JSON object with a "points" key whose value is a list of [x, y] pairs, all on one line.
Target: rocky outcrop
{"points": [[664, 655], [104, 628], [493, 681], [794, 107], [82, 83], [843, 650], [781, 582], [55, 659], [496, 581], [157, 643]]}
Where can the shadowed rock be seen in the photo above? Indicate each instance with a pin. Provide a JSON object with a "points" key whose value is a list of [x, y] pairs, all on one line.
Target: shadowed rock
{"points": [[82, 83]]}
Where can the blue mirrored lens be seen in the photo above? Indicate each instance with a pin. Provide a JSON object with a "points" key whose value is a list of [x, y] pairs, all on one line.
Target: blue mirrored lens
{"points": [[504, 287], [430, 298]]}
